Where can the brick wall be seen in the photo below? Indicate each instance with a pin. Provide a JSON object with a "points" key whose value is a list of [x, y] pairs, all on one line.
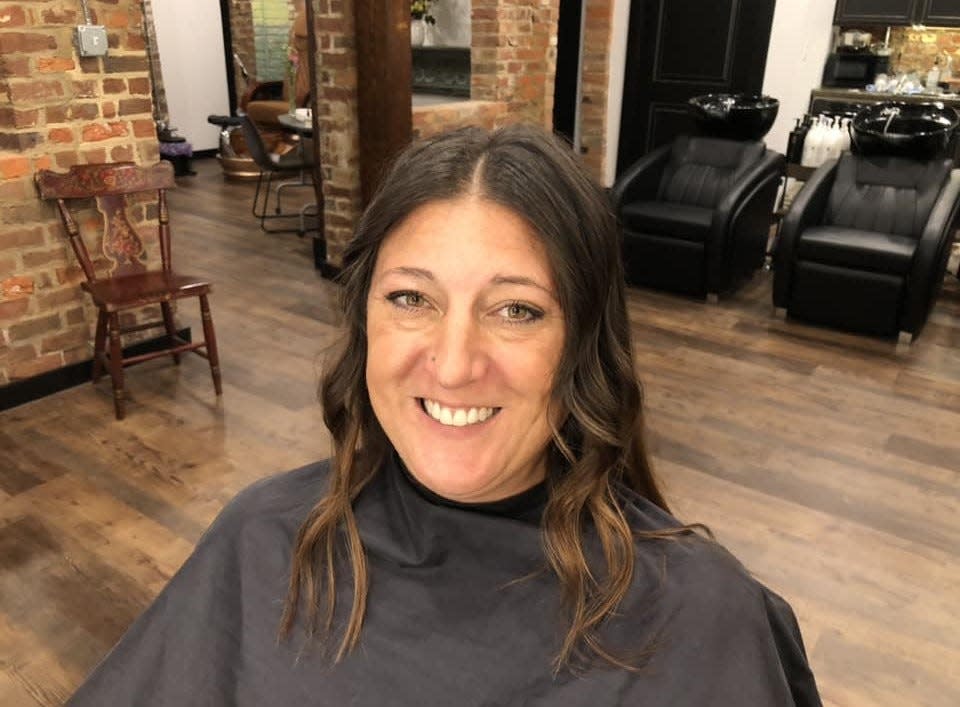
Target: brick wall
{"points": [[57, 110], [594, 78]]}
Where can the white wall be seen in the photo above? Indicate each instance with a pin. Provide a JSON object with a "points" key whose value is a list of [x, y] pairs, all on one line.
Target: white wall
{"points": [[799, 44], [190, 44], [453, 23]]}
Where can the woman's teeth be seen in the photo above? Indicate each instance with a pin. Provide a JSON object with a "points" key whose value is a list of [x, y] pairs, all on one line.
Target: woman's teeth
{"points": [[456, 417]]}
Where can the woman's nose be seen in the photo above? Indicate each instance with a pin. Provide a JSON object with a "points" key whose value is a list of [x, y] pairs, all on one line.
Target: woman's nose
{"points": [[458, 356]]}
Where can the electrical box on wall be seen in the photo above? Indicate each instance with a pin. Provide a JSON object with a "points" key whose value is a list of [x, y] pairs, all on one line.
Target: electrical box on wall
{"points": [[92, 40]]}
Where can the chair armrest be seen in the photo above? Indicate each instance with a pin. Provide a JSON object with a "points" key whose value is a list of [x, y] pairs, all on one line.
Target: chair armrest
{"points": [[807, 209], [642, 178], [770, 166], [930, 258]]}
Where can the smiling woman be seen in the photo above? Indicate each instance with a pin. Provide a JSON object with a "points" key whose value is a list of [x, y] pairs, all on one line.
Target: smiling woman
{"points": [[488, 531]]}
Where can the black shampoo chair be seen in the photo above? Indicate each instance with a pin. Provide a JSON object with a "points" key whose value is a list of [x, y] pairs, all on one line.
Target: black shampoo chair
{"points": [[696, 214], [865, 244]]}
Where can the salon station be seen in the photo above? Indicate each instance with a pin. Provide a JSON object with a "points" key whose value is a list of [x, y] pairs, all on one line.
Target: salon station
{"points": [[180, 180]]}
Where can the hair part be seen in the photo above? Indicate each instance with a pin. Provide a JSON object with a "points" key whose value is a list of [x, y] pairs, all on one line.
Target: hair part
{"points": [[597, 445]]}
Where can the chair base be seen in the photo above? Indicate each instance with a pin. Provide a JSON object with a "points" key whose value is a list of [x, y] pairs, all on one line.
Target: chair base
{"points": [[112, 359]]}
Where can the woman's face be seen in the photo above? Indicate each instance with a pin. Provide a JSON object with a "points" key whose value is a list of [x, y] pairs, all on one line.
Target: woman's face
{"points": [[464, 335]]}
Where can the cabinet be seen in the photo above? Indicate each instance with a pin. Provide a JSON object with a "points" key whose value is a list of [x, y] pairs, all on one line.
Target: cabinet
{"points": [[941, 13], [882, 12], [934, 13]]}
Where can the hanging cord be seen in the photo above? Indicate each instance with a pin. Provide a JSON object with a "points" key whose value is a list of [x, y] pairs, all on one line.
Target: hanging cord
{"points": [[86, 12]]}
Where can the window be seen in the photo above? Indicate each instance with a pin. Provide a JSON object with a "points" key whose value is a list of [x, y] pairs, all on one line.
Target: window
{"points": [[271, 35]]}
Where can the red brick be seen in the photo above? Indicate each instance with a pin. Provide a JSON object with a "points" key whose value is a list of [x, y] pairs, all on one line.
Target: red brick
{"points": [[144, 128], [114, 86], [13, 167], [109, 109], [122, 153], [67, 159], [67, 339], [29, 328], [59, 297], [16, 286], [60, 16], [15, 67], [84, 111], [51, 64], [75, 316], [116, 20], [13, 309], [16, 191], [12, 42], [33, 91], [139, 85], [21, 238], [132, 106], [12, 16], [98, 156], [42, 162], [38, 259], [60, 135], [85, 89]]}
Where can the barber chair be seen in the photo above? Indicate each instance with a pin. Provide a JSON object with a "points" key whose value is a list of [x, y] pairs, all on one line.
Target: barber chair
{"points": [[865, 244], [696, 214]]}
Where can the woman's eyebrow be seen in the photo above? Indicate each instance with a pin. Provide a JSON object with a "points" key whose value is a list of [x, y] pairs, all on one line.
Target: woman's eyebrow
{"points": [[520, 280], [420, 273]]}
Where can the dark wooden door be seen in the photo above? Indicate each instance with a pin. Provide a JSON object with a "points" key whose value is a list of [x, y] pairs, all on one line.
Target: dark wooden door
{"points": [[677, 49], [941, 13], [887, 12]]}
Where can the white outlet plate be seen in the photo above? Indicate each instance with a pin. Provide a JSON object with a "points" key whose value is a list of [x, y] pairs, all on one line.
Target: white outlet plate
{"points": [[92, 40]]}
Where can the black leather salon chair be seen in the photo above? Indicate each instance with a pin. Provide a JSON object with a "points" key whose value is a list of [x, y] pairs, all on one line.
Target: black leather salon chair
{"points": [[865, 244], [696, 214]]}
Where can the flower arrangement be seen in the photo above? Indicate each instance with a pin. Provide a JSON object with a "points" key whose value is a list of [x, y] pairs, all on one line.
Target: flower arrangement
{"points": [[420, 10]]}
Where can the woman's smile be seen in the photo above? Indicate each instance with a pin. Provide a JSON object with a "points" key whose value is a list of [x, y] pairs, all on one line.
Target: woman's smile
{"points": [[457, 416]]}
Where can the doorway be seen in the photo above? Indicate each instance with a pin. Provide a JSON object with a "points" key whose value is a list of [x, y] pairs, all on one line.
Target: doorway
{"points": [[685, 48], [566, 86]]}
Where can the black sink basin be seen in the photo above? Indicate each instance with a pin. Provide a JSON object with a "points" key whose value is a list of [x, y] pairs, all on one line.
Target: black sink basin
{"points": [[918, 130], [735, 116]]}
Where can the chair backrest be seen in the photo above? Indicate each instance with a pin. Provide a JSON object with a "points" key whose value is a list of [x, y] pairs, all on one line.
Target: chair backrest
{"points": [[255, 145], [701, 169], [110, 184], [885, 194]]}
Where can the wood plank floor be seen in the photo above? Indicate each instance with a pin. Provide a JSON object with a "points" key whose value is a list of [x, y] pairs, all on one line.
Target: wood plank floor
{"points": [[829, 463]]}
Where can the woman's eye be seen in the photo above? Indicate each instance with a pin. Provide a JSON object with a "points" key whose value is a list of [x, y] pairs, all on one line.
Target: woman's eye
{"points": [[517, 312], [407, 299]]}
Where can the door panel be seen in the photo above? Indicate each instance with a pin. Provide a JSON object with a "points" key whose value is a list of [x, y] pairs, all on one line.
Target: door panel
{"points": [[677, 49]]}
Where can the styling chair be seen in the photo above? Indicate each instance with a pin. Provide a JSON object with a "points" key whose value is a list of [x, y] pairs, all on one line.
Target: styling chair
{"points": [[696, 214], [865, 244], [299, 162], [128, 284]]}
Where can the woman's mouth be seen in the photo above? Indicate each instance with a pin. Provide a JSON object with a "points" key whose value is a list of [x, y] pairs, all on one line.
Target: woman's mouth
{"points": [[457, 416]]}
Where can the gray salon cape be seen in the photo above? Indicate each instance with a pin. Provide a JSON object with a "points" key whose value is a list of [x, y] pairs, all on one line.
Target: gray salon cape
{"points": [[445, 622]]}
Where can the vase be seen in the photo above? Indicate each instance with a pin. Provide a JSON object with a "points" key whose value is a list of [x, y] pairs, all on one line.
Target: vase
{"points": [[417, 32]]}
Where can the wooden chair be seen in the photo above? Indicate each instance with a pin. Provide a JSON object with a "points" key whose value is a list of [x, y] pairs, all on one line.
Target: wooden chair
{"points": [[129, 284]]}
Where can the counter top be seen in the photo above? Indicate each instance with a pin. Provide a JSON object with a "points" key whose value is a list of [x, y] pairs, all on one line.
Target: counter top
{"points": [[858, 95]]}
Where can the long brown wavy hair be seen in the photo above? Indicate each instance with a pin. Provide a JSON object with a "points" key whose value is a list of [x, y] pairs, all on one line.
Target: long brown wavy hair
{"points": [[595, 453]]}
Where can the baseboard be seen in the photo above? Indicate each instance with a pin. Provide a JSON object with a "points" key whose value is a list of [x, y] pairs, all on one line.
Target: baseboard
{"points": [[20, 392]]}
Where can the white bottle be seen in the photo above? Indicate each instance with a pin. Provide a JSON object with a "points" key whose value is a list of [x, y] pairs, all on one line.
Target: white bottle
{"points": [[845, 135], [811, 145], [933, 77], [830, 148]]}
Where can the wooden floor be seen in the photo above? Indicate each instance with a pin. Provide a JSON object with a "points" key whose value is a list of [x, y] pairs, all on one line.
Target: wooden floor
{"points": [[829, 463]]}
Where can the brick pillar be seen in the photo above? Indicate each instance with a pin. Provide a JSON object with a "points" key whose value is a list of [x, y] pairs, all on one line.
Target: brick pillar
{"points": [[594, 80], [56, 110], [336, 105], [241, 37], [514, 56]]}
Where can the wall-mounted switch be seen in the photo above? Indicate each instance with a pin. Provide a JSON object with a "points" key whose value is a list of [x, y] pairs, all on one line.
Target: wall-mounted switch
{"points": [[92, 40]]}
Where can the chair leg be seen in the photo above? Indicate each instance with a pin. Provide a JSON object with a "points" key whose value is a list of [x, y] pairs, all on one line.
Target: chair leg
{"points": [[170, 327], [99, 345], [116, 365], [210, 337], [256, 196]]}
